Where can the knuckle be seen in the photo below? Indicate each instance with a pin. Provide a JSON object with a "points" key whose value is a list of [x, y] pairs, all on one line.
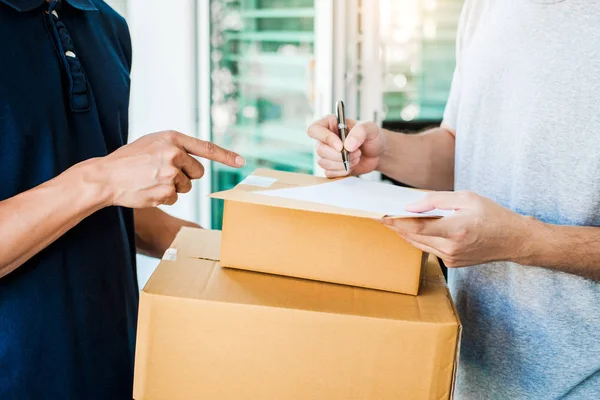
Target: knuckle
{"points": [[461, 232], [209, 147], [451, 250], [171, 173], [468, 195], [417, 226], [185, 186], [320, 148], [164, 194], [172, 154], [450, 263], [170, 192], [230, 156], [329, 139], [171, 201], [171, 136]]}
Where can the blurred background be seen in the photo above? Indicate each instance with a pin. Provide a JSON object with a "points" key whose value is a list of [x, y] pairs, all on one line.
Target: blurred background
{"points": [[251, 75]]}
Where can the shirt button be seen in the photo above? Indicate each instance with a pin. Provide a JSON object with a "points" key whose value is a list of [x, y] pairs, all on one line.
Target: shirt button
{"points": [[70, 54]]}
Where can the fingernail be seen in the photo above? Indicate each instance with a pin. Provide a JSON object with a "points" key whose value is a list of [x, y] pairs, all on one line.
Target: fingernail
{"points": [[351, 144], [240, 161], [385, 221], [338, 146]]}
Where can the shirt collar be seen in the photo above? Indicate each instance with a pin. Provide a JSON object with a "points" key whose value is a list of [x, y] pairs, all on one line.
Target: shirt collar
{"points": [[28, 5]]}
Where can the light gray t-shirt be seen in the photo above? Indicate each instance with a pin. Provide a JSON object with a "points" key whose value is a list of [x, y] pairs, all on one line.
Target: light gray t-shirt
{"points": [[525, 104]]}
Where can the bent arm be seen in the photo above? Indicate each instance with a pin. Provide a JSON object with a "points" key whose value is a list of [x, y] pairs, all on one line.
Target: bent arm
{"points": [[155, 230], [424, 160], [34, 219]]}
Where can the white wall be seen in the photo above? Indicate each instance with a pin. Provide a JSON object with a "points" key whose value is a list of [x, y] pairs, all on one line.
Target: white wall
{"points": [[119, 5], [163, 82]]}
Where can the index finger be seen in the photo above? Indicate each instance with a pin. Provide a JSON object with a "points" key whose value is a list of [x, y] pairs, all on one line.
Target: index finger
{"points": [[325, 130], [210, 151], [432, 227]]}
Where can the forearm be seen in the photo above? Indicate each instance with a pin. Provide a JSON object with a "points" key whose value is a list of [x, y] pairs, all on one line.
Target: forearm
{"points": [[571, 249], [424, 160], [34, 219], [155, 230]]}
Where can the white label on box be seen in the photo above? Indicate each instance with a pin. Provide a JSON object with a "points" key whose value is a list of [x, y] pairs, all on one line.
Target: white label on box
{"points": [[170, 255], [260, 181]]}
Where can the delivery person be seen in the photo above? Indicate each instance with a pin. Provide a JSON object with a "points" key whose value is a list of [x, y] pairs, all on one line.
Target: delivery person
{"points": [[69, 187], [520, 145]]}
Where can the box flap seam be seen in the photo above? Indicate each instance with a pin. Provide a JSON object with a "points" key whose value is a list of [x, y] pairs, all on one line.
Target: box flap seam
{"points": [[205, 258]]}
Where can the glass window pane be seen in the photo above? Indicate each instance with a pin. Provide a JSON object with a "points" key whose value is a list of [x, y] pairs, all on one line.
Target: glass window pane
{"points": [[261, 95], [418, 38]]}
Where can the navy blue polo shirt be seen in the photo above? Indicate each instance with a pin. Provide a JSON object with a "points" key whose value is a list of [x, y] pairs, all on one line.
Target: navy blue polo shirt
{"points": [[67, 316]]}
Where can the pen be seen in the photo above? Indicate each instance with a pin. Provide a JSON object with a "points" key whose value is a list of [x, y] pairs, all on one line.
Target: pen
{"points": [[343, 130]]}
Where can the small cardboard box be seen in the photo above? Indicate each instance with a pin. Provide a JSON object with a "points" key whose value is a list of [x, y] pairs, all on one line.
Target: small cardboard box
{"points": [[207, 332], [313, 241]]}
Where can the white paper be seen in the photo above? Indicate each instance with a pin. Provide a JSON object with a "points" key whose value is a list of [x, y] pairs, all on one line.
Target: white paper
{"points": [[359, 194], [260, 181]]}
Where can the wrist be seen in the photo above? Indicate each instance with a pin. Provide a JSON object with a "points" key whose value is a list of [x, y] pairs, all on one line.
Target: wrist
{"points": [[92, 181], [533, 241], [382, 135]]}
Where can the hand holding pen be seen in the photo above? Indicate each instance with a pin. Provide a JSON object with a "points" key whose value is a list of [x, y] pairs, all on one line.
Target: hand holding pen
{"points": [[364, 145]]}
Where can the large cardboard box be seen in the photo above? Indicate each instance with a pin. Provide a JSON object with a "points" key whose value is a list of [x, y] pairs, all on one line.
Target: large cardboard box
{"points": [[207, 332], [313, 241]]}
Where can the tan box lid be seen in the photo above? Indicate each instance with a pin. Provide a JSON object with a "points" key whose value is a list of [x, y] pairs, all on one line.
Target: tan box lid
{"points": [[282, 180], [187, 278]]}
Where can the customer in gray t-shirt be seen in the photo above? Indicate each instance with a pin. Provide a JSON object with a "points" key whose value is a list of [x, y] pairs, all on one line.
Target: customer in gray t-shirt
{"points": [[521, 133]]}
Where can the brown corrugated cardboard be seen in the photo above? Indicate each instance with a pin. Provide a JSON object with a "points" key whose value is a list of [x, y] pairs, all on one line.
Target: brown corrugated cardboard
{"points": [[314, 241], [207, 332]]}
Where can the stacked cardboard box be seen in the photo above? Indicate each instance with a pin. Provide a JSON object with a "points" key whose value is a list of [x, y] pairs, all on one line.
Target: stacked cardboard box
{"points": [[313, 241], [208, 332]]}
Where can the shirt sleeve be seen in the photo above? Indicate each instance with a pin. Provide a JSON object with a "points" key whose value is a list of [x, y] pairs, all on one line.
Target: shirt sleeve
{"points": [[453, 104]]}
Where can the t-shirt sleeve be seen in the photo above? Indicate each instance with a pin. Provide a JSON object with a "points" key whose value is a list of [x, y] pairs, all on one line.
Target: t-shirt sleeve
{"points": [[453, 104]]}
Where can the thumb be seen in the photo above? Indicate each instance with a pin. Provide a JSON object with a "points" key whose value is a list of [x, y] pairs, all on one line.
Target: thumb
{"points": [[439, 200], [359, 133]]}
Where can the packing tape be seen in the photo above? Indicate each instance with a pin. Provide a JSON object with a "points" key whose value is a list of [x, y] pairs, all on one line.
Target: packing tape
{"points": [[170, 254], [260, 181]]}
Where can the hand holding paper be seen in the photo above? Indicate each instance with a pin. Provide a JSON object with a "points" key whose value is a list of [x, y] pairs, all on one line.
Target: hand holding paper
{"points": [[480, 230]]}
